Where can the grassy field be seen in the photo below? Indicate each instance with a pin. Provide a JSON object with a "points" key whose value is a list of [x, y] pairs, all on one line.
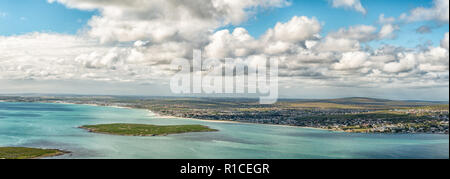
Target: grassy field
{"points": [[145, 130], [27, 153], [320, 105], [443, 107], [392, 116]]}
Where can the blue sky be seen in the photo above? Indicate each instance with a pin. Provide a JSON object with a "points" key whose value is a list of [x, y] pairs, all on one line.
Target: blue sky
{"points": [[25, 16]]}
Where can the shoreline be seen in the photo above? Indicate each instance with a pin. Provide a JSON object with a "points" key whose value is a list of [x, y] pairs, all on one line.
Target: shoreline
{"points": [[275, 125], [229, 122], [20, 155], [96, 105], [97, 131], [236, 122], [194, 119], [61, 153]]}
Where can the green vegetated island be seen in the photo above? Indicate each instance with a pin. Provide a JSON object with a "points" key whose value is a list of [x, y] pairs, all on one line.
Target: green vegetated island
{"points": [[361, 115], [111, 129], [145, 130], [28, 153]]}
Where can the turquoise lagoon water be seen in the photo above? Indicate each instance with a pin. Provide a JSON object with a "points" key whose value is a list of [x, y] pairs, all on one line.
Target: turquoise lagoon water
{"points": [[55, 126]]}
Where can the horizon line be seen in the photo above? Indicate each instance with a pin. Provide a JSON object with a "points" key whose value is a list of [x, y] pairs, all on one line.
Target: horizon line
{"points": [[216, 97]]}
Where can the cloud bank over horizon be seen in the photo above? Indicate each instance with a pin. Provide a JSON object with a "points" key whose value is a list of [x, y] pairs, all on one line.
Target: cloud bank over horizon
{"points": [[134, 42]]}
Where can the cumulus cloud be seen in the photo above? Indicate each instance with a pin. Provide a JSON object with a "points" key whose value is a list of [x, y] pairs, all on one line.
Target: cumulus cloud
{"points": [[386, 20], [433, 61], [297, 29], [362, 33], [162, 20], [351, 38], [282, 38], [347, 39], [349, 4], [438, 12], [338, 45], [365, 33], [224, 44], [444, 42], [339, 59], [41, 56], [387, 31], [405, 63], [352, 60]]}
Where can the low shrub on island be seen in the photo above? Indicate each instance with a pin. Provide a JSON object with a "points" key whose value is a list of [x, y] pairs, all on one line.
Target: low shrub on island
{"points": [[28, 153], [144, 129]]}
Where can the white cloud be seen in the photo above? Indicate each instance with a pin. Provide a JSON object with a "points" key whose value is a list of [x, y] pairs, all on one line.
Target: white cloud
{"points": [[339, 59], [387, 31], [162, 20], [41, 56], [386, 20], [439, 12], [280, 39], [352, 60], [432, 68], [444, 42], [406, 63], [362, 33], [338, 45], [296, 30], [434, 59], [350, 39], [434, 55], [350, 4], [225, 45], [278, 48]]}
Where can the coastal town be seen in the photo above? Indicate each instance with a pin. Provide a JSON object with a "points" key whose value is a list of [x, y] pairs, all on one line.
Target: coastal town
{"points": [[361, 121], [359, 115]]}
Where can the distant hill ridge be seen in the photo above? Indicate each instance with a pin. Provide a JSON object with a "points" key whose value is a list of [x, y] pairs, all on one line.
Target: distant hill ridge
{"points": [[348, 100]]}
